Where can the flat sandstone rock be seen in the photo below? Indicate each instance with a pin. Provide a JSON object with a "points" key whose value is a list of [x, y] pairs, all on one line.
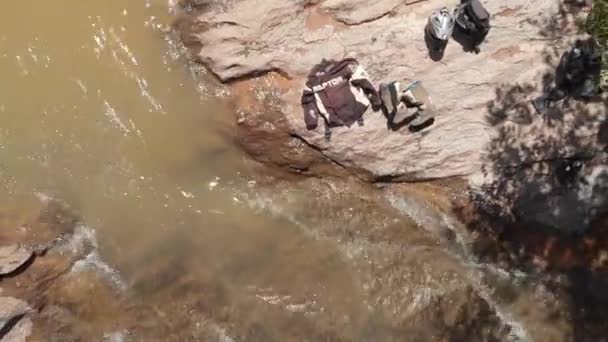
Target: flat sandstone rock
{"points": [[12, 309], [12, 257], [476, 94]]}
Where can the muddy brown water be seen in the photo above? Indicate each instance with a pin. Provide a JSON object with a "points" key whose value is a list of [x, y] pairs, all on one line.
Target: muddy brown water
{"points": [[99, 108]]}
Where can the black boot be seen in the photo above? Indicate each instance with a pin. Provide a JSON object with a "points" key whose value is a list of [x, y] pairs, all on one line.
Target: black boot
{"points": [[422, 119]]}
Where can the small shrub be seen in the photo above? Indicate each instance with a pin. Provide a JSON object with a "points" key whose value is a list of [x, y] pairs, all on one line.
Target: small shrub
{"points": [[597, 27]]}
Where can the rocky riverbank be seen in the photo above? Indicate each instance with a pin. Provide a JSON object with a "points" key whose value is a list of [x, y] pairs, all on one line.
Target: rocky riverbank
{"points": [[278, 43], [51, 286], [514, 208], [487, 132], [55, 287], [495, 248]]}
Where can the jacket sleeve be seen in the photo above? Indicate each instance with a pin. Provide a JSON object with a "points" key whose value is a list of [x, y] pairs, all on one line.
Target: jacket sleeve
{"points": [[360, 79], [311, 112]]}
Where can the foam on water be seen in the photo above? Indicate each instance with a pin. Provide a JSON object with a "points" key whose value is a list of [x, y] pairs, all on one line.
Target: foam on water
{"points": [[221, 334], [434, 222], [117, 336], [259, 202], [424, 217], [82, 239], [517, 331], [85, 236], [309, 308]]}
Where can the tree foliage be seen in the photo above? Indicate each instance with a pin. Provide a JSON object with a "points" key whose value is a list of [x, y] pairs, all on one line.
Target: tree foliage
{"points": [[597, 26]]}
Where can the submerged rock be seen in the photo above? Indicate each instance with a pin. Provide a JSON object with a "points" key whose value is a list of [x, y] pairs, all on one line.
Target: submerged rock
{"points": [[14, 325], [36, 224], [12, 257], [11, 308], [20, 332], [460, 316], [44, 245]]}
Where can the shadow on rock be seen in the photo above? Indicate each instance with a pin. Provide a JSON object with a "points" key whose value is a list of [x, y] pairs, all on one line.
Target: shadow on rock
{"points": [[464, 39], [589, 298], [602, 136], [541, 201], [546, 171]]}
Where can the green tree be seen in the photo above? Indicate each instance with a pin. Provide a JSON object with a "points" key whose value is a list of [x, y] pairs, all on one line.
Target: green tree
{"points": [[597, 26]]}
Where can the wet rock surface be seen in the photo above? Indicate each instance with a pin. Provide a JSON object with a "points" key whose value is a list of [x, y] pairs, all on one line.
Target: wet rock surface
{"points": [[389, 263], [571, 266], [376, 274], [37, 260], [265, 134], [518, 207], [13, 324], [12, 257]]}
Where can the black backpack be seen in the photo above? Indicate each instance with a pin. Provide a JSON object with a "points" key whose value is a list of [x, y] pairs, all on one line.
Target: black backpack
{"points": [[474, 19], [582, 62]]}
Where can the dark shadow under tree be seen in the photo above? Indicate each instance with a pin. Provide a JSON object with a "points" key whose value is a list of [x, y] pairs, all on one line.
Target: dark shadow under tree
{"points": [[544, 204]]}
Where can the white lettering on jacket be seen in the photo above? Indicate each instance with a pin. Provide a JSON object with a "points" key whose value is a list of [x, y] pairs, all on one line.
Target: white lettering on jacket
{"points": [[331, 83]]}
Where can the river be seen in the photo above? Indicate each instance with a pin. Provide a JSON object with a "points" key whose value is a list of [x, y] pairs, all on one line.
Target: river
{"points": [[100, 109]]}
